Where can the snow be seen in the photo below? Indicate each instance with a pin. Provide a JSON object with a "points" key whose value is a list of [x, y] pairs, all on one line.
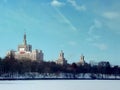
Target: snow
{"points": [[60, 85], [54, 75]]}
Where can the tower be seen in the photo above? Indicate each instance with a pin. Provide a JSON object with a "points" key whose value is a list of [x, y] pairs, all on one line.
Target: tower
{"points": [[22, 48], [25, 52], [24, 40], [61, 56], [82, 60], [61, 60]]}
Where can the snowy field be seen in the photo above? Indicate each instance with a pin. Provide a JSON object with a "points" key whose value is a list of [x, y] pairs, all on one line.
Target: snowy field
{"points": [[61, 85]]}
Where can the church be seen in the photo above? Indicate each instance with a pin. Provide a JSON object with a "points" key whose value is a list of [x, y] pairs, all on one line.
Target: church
{"points": [[25, 52]]}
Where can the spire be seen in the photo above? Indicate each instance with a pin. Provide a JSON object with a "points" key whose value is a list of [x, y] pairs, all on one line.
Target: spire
{"points": [[24, 40]]}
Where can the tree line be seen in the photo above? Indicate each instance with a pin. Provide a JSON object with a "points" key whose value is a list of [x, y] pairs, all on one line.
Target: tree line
{"points": [[12, 66]]}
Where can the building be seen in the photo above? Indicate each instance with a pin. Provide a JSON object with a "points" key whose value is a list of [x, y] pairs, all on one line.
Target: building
{"points": [[61, 60], [25, 52], [82, 61]]}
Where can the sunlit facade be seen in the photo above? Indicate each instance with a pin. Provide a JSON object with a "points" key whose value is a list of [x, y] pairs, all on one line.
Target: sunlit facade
{"points": [[25, 52], [61, 60]]}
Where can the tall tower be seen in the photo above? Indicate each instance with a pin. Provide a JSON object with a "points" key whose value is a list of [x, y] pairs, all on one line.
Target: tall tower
{"points": [[61, 60], [61, 56], [25, 52], [24, 40], [82, 60], [22, 48]]}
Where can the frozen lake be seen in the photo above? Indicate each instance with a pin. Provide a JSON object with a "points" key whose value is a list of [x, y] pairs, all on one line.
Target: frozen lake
{"points": [[61, 85]]}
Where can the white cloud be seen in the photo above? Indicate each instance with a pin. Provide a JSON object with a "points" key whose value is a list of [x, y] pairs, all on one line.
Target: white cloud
{"points": [[111, 15], [67, 21], [72, 43], [57, 3], [101, 46], [76, 6], [97, 24], [111, 20], [93, 38]]}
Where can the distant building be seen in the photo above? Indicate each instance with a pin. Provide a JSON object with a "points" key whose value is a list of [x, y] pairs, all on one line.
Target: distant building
{"points": [[61, 60], [25, 52], [82, 61]]}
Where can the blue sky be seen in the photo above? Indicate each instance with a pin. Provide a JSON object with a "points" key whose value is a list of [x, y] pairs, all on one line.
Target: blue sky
{"points": [[89, 27]]}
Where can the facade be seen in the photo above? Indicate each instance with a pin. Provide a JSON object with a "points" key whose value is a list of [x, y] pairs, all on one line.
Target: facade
{"points": [[25, 52], [82, 61], [61, 60]]}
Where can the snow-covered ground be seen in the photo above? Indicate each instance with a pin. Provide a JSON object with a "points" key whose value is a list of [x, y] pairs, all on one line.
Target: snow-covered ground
{"points": [[61, 85], [54, 75]]}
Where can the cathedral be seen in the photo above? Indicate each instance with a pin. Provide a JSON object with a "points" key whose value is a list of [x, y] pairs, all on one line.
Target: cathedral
{"points": [[25, 52]]}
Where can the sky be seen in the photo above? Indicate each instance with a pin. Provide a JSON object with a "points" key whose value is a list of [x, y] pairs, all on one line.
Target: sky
{"points": [[88, 27]]}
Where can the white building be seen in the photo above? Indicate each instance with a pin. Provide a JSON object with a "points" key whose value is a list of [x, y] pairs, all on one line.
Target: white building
{"points": [[25, 52], [82, 61], [61, 60]]}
